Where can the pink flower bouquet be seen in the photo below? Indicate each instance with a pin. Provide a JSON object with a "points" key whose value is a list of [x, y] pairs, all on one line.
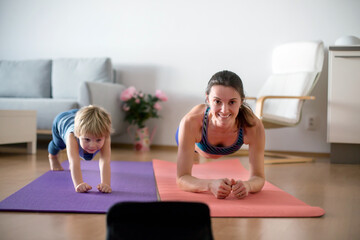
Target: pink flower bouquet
{"points": [[140, 107]]}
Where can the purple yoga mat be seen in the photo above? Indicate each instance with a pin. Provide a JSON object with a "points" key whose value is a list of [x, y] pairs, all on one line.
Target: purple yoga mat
{"points": [[54, 191]]}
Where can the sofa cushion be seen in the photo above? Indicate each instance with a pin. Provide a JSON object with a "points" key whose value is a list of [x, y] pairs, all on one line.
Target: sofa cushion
{"points": [[46, 108], [26, 79], [68, 74]]}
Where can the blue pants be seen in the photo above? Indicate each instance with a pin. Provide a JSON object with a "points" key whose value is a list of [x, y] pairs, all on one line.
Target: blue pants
{"points": [[57, 143]]}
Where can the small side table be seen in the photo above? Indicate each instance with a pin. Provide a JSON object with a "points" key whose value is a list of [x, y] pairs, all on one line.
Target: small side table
{"points": [[18, 126]]}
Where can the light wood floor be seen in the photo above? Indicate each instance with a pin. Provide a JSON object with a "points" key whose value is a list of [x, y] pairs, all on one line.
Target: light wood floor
{"points": [[335, 188]]}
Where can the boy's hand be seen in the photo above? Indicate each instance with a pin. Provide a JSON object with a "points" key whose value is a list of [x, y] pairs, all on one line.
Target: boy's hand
{"points": [[83, 187], [104, 188]]}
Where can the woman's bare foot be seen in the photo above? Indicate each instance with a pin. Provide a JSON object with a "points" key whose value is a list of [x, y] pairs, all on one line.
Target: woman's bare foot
{"points": [[54, 163]]}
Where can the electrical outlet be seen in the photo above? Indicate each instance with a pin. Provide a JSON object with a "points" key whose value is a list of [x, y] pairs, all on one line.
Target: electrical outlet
{"points": [[311, 123]]}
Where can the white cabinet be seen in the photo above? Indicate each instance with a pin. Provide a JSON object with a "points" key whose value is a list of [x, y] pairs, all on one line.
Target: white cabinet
{"points": [[344, 95], [343, 123]]}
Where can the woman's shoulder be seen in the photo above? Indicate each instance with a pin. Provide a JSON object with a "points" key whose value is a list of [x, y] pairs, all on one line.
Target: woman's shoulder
{"points": [[195, 115], [256, 124], [197, 111], [255, 131]]}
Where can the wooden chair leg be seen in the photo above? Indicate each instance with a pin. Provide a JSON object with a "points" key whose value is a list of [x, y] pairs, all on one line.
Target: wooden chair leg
{"points": [[285, 158]]}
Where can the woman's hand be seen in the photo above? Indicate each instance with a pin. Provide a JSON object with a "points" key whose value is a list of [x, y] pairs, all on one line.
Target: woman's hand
{"points": [[221, 188], [83, 187], [104, 188], [240, 189]]}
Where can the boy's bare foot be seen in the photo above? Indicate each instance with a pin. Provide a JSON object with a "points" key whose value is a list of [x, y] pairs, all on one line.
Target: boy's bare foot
{"points": [[54, 163]]}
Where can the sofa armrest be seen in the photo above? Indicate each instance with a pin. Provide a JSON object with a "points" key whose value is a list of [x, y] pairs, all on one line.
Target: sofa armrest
{"points": [[106, 95]]}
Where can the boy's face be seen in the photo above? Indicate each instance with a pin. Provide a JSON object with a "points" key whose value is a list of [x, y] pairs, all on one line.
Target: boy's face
{"points": [[91, 143]]}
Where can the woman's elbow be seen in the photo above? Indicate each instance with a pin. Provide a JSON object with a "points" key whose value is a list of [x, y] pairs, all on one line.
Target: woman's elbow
{"points": [[183, 182], [257, 184], [260, 184], [180, 182]]}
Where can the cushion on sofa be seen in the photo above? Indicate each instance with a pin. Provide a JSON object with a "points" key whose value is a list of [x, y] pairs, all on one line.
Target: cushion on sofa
{"points": [[47, 108], [26, 79], [68, 74]]}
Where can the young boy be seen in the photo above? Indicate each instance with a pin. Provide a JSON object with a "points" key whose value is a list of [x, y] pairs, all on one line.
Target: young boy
{"points": [[83, 133]]}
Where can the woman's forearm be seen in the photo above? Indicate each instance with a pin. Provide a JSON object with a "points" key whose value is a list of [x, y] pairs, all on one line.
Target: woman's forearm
{"points": [[193, 184], [256, 184]]}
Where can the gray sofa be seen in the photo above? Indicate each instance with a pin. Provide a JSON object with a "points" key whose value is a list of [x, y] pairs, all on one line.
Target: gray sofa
{"points": [[54, 86]]}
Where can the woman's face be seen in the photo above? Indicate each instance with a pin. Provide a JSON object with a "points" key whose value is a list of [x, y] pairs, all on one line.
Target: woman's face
{"points": [[90, 143], [224, 104]]}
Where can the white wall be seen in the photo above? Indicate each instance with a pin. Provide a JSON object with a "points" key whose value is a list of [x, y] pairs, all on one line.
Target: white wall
{"points": [[177, 45]]}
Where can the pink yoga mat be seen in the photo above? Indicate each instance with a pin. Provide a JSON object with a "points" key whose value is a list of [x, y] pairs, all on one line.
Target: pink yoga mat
{"points": [[270, 202]]}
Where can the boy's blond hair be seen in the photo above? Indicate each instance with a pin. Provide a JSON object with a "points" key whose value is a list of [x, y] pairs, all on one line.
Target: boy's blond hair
{"points": [[92, 120]]}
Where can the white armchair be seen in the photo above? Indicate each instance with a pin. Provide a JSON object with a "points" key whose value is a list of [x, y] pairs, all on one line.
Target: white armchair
{"points": [[296, 68]]}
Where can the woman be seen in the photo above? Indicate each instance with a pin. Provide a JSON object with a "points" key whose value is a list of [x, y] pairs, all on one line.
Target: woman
{"points": [[219, 128]]}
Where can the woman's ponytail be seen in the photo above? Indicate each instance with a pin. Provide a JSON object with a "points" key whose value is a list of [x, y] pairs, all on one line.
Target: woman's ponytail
{"points": [[245, 116]]}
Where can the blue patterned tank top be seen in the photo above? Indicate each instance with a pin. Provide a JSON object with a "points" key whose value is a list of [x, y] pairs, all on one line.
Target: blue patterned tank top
{"points": [[205, 146]]}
